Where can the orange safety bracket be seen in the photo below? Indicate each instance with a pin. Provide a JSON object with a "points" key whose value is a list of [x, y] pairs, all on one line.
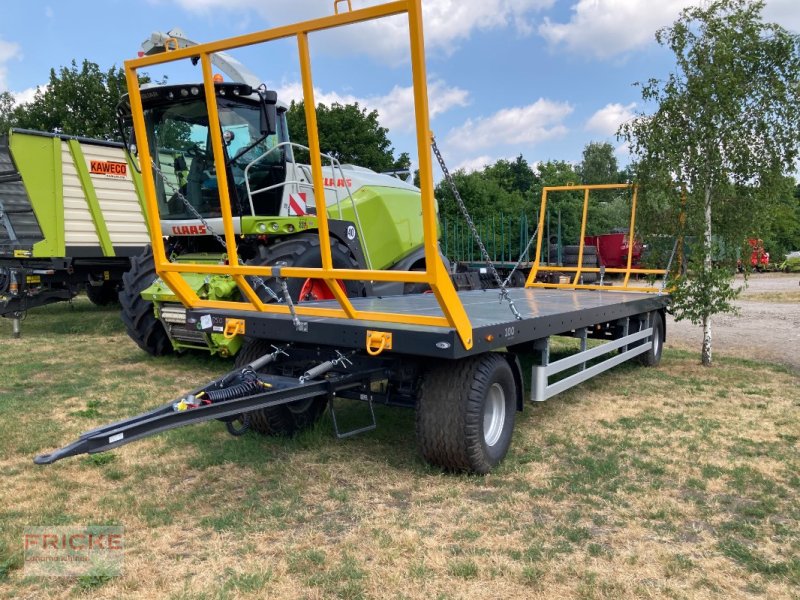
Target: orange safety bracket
{"points": [[378, 341]]}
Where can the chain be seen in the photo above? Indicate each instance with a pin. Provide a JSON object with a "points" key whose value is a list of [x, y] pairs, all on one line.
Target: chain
{"points": [[484, 254], [669, 267], [521, 256], [258, 281]]}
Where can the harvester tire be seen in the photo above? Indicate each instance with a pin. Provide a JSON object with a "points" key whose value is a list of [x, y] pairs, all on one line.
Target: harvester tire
{"points": [[302, 250], [137, 313], [284, 419], [465, 413], [103, 295]]}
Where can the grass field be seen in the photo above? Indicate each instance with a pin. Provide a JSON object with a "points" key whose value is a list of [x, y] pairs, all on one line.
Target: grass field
{"points": [[673, 482]]}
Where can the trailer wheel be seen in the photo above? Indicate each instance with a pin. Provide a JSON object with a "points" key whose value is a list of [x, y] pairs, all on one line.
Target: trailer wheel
{"points": [[103, 295], [285, 419], [465, 413], [137, 313], [652, 357]]}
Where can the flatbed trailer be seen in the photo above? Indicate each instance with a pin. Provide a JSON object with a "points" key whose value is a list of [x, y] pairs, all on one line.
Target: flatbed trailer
{"points": [[452, 356]]}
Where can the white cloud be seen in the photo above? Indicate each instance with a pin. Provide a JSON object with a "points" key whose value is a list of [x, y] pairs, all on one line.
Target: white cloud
{"points": [[446, 22], [395, 109], [27, 94], [8, 50], [533, 123], [608, 119], [605, 28], [475, 164]]}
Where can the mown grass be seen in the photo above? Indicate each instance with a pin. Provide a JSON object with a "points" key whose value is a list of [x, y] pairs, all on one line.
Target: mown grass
{"points": [[674, 482], [782, 297]]}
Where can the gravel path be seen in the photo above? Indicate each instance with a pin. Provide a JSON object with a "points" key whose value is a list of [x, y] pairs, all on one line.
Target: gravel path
{"points": [[763, 330]]}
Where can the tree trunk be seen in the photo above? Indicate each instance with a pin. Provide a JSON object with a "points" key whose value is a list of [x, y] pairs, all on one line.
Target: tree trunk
{"points": [[706, 352]]}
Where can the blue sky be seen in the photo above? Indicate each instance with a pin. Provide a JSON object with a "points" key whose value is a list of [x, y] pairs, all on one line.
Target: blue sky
{"points": [[539, 78]]}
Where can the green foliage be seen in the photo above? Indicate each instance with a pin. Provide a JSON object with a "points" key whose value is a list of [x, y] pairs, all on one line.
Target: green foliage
{"points": [[723, 133], [349, 133], [6, 112], [702, 292], [78, 100]]}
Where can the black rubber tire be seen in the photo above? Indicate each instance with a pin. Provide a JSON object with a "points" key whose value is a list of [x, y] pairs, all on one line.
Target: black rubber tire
{"points": [[517, 279], [450, 413], [302, 250], [137, 313], [589, 260], [573, 251], [103, 295], [652, 357], [285, 419]]}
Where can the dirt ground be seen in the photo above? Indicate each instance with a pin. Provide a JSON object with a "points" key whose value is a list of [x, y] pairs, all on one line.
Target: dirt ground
{"points": [[764, 329]]}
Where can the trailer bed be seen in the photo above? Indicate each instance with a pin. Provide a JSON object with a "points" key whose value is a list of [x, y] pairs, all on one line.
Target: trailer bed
{"points": [[544, 313]]}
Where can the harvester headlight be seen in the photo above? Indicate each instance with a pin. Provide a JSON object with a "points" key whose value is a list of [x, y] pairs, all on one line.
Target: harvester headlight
{"points": [[290, 228], [184, 92], [262, 227], [195, 90], [170, 95], [236, 91], [274, 226]]}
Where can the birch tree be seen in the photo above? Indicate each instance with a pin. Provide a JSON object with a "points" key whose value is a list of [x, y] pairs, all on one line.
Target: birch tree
{"points": [[726, 123]]}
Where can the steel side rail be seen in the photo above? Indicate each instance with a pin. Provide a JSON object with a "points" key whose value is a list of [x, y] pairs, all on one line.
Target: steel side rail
{"points": [[541, 390], [165, 417]]}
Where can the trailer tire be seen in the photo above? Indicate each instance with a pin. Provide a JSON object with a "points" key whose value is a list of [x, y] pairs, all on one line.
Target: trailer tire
{"points": [[652, 357], [103, 295], [137, 313], [518, 279], [284, 419], [465, 413]]}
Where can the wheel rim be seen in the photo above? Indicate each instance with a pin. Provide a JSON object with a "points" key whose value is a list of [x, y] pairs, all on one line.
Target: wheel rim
{"points": [[656, 340], [494, 414]]}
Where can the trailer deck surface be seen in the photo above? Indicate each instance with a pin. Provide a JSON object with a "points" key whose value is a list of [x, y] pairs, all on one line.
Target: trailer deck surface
{"points": [[544, 313]]}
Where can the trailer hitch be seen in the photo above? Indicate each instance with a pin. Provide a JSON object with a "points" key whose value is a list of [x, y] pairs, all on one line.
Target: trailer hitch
{"points": [[211, 402]]}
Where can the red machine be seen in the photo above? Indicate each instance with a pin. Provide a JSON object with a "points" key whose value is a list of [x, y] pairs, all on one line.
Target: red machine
{"points": [[612, 249], [759, 258]]}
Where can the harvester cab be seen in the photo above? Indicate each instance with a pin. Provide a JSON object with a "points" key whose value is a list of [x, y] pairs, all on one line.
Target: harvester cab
{"points": [[374, 219]]}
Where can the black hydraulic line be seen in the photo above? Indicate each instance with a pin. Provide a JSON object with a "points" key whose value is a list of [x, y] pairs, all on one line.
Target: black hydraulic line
{"points": [[282, 391]]}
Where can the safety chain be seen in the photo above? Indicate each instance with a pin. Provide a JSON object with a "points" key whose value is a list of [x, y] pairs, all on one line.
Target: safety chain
{"points": [[258, 281], [521, 256], [669, 267], [484, 254]]}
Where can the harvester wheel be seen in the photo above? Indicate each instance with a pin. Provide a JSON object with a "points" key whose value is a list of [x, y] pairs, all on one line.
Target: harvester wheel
{"points": [[285, 419], [103, 295], [302, 250], [137, 313], [465, 413]]}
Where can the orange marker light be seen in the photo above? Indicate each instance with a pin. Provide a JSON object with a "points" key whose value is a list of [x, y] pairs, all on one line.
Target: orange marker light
{"points": [[218, 78]]}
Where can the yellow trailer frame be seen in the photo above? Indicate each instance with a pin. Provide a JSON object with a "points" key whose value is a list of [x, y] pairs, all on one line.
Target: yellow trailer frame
{"points": [[628, 271], [435, 275], [453, 314]]}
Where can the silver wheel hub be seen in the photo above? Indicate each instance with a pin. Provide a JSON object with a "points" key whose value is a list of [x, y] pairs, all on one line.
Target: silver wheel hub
{"points": [[494, 414]]}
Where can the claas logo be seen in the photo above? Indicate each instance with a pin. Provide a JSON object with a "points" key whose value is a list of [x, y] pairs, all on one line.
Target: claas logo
{"points": [[189, 229], [107, 167]]}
